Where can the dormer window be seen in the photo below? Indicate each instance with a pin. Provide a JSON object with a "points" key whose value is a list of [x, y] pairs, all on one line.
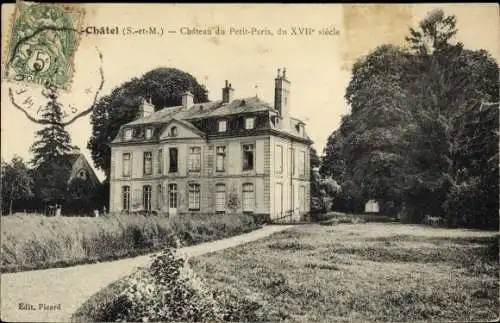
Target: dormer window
{"points": [[249, 123], [128, 134], [149, 133], [222, 125], [173, 131]]}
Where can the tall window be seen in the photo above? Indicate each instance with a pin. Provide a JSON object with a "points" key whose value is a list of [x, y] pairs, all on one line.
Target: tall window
{"points": [[126, 197], [249, 123], [248, 157], [148, 163], [248, 197], [302, 198], [220, 158], [220, 198], [222, 125], [278, 199], [173, 160], [279, 159], [126, 164], [172, 196], [149, 132], [159, 197], [302, 163], [146, 197], [160, 162], [194, 159], [194, 197], [292, 161]]}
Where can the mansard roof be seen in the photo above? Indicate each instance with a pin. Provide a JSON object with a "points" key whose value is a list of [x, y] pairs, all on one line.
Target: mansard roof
{"points": [[190, 116], [206, 110]]}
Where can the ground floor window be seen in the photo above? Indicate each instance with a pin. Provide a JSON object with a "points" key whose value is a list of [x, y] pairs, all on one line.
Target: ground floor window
{"points": [[248, 197], [302, 198], [194, 197], [220, 198], [172, 196], [146, 197], [278, 199], [126, 197]]}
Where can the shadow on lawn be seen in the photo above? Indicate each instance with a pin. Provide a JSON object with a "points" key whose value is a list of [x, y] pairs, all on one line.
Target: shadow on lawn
{"points": [[479, 255]]}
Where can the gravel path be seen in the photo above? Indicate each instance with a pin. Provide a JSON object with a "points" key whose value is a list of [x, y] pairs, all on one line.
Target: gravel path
{"points": [[66, 289]]}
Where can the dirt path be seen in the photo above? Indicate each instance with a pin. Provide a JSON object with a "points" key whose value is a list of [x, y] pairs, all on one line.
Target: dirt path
{"points": [[66, 289]]}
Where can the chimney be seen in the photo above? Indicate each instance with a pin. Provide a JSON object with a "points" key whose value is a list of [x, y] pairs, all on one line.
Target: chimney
{"points": [[147, 108], [227, 93], [282, 93], [187, 99]]}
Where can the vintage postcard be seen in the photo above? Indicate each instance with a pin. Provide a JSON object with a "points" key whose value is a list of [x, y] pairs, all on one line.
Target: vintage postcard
{"points": [[249, 162]]}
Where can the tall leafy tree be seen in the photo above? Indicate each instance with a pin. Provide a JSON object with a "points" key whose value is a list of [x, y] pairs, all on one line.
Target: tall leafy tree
{"points": [[374, 139], [413, 133], [452, 83], [16, 181], [333, 163], [163, 86]]}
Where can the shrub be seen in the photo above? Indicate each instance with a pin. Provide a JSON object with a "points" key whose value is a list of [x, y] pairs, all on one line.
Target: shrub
{"points": [[168, 290]]}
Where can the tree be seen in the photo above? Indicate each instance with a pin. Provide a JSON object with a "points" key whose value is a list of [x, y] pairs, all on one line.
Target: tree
{"points": [[16, 181], [314, 162], [452, 83], [51, 182], [373, 140], [323, 190], [412, 137], [81, 196], [163, 86], [333, 163], [53, 140], [51, 172]]}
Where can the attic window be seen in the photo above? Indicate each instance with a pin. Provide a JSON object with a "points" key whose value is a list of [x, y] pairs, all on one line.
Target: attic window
{"points": [[149, 132], [222, 125], [249, 123], [128, 134], [173, 131]]}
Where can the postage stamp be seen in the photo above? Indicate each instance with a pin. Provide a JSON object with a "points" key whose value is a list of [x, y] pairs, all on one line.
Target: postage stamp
{"points": [[43, 40]]}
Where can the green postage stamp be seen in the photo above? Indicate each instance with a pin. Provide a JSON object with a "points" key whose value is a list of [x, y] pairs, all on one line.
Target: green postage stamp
{"points": [[43, 40]]}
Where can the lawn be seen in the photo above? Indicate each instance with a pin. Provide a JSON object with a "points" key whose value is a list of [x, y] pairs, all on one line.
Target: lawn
{"points": [[360, 272]]}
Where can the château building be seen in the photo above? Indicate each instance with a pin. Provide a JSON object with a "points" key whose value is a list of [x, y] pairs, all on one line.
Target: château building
{"points": [[230, 155]]}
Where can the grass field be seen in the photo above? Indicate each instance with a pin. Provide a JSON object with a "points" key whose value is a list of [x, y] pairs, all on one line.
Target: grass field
{"points": [[361, 272], [36, 241]]}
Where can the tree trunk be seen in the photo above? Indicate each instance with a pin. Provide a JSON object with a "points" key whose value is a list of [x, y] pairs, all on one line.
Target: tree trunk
{"points": [[10, 206]]}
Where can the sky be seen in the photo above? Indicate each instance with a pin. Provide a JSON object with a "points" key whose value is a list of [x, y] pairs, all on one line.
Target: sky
{"points": [[318, 66]]}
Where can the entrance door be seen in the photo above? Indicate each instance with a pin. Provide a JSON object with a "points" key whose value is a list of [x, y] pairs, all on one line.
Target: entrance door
{"points": [[172, 199]]}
